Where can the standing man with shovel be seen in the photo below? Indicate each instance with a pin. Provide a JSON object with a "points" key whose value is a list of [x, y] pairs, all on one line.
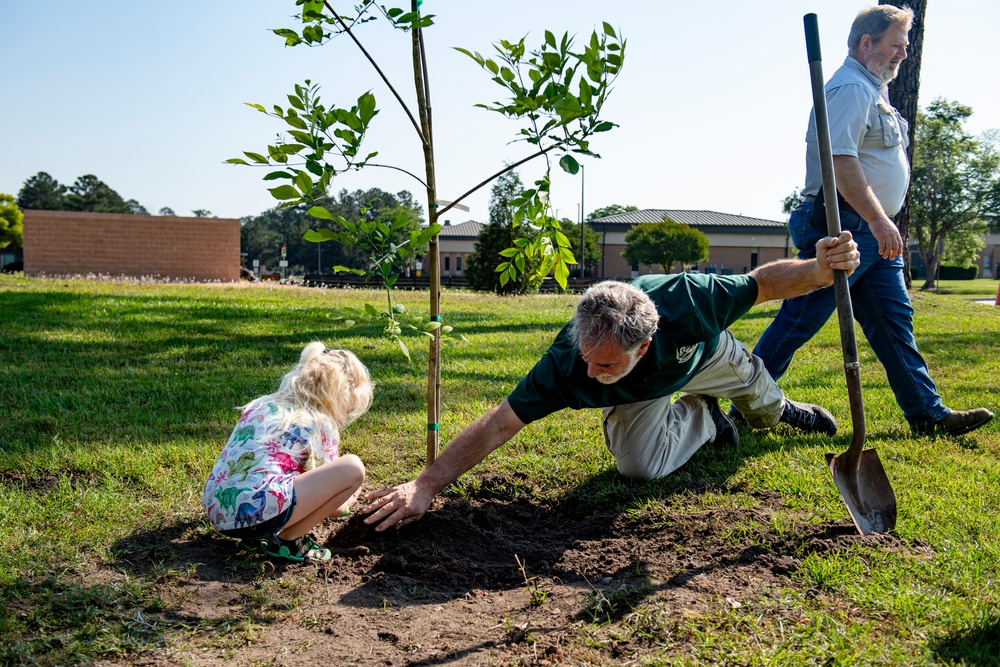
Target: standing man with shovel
{"points": [[868, 140]]}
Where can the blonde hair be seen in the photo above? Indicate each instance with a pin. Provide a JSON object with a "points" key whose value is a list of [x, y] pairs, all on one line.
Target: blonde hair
{"points": [[327, 383]]}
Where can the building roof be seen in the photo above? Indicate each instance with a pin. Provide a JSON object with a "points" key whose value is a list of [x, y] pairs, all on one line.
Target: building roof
{"points": [[699, 219], [467, 229]]}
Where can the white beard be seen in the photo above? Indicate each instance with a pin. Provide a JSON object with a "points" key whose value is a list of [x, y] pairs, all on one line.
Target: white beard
{"points": [[608, 378]]}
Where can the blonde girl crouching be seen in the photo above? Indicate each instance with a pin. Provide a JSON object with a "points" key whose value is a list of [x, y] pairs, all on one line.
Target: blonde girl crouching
{"points": [[280, 474]]}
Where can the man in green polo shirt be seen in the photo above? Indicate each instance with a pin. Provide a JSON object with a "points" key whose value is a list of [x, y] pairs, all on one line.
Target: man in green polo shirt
{"points": [[628, 349]]}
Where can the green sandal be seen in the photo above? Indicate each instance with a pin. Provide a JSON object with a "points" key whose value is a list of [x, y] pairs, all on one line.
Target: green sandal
{"points": [[297, 550]]}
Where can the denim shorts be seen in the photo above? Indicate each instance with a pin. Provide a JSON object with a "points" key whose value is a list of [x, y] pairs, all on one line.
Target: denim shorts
{"points": [[264, 529]]}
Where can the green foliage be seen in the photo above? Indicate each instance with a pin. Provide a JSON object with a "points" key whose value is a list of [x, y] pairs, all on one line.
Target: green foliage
{"points": [[789, 203], [591, 240], [962, 246], [613, 209], [547, 251], [262, 236], [481, 266], [561, 94], [87, 194], [91, 194], [11, 222], [41, 192], [559, 91], [313, 132], [953, 184], [665, 243], [379, 237]]}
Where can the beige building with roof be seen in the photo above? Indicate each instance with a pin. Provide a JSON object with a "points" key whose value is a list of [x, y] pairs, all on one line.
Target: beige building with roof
{"points": [[455, 242], [737, 243]]}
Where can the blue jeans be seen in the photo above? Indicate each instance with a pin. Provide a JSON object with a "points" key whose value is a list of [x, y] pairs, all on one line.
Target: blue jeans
{"points": [[882, 307]]}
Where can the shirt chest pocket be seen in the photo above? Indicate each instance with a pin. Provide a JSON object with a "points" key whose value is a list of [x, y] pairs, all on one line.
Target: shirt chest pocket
{"points": [[891, 126]]}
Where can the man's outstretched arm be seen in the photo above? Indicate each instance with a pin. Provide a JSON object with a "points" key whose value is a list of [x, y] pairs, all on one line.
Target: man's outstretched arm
{"points": [[406, 503], [787, 278]]}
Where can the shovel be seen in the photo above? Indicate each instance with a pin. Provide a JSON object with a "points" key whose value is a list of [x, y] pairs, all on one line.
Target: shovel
{"points": [[858, 472]]}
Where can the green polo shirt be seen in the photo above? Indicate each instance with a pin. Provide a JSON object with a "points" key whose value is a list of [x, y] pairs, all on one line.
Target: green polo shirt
{"points": [[694, 309]]}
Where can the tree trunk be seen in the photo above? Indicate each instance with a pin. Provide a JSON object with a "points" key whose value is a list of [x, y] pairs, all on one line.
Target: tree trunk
{"points": [[903, 95], [426, 126]]}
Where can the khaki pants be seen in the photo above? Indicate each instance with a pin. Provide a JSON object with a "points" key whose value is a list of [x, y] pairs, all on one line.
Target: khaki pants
{"points": [[653, 438]]}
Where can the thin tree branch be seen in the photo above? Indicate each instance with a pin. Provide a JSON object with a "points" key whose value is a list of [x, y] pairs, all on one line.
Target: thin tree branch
{"points": [[389, 166], [385, 79], [503, 171]]}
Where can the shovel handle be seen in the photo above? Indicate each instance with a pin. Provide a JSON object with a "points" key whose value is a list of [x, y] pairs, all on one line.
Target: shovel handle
{"points": [[845, 312]]}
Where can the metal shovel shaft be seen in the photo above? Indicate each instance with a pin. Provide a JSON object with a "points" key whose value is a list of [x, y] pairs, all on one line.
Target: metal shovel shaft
{"points": [[858, 473]]}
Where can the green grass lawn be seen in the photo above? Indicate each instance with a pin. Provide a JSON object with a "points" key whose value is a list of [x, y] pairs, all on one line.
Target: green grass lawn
{"points": [[117, 396], [980, 288]]}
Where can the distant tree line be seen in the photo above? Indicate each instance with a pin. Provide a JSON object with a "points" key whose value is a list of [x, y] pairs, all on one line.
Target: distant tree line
{"points": [[87, 194], [263, 236]]}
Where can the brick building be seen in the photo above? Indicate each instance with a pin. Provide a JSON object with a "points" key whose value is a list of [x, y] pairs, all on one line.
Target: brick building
{"points": [[116, 244]]}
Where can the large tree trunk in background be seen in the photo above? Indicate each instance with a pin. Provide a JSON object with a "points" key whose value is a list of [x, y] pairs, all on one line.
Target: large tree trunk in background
{"points": [[903, 94]]}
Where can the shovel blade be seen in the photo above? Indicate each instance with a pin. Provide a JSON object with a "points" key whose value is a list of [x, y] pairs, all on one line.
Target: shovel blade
{"points": [[866, 491]]}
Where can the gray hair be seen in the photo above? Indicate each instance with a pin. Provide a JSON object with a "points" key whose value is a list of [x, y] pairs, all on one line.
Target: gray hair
{"points": [[875, 21], [614, 311]]}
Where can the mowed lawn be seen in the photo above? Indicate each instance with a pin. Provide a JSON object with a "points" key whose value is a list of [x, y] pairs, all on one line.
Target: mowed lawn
{"points": [[116, 397]]}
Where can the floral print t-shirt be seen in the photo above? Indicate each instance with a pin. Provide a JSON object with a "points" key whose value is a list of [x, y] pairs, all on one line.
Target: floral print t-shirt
{"points": [[252, 479]]}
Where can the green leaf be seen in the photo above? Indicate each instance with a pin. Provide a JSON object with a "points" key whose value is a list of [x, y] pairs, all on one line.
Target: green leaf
{"points": [[569, 164], [562, 273], [236, 160], [402, 346], [608, 30], [586, 92], [291, 37], [256, 157], [304, 183], [346, 269], [366, 107], [318, 236], [275, 175], [320, 212], [284, 192]]}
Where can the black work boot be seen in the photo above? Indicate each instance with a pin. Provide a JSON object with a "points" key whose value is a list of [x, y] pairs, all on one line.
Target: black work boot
{"points": [[736, 417], [808, 417], [725, 432]]}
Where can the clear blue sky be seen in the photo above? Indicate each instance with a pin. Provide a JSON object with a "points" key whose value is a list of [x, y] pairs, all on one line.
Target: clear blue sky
{"points": [[712, 103]]}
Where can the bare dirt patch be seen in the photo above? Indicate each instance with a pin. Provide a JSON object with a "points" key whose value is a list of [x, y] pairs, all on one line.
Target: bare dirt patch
{"points": [[483, 580]]}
